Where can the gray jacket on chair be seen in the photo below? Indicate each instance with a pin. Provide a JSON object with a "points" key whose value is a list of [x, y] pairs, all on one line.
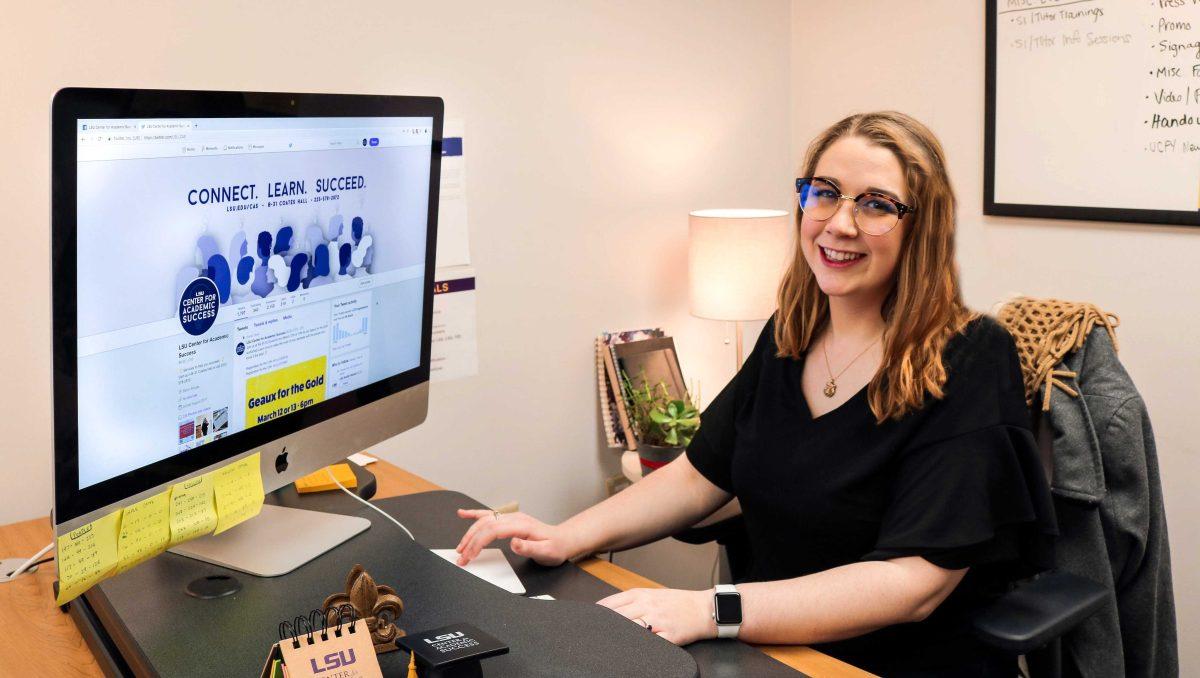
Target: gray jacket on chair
{"points": [[1112, 526]]}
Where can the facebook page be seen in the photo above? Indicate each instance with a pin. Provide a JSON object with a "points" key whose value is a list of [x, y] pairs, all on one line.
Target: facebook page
{"points": [[235, 271]]}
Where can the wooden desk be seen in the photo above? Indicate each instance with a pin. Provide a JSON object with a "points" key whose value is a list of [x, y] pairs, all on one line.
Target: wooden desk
{"points": [[46, 641]]}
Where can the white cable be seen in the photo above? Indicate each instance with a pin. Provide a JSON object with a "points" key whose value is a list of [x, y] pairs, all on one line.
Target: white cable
{"points": [[369, 504], [28, 563]]}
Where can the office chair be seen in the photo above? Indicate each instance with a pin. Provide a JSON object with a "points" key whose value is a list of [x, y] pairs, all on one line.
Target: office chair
{"points": [[1031, 618]]}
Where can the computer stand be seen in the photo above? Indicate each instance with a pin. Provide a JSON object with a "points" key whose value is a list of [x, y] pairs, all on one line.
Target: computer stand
{"points": [[276, 541]]}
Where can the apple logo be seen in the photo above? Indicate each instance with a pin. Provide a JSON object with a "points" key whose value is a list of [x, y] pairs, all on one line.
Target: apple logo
{"points": [[281, 462]]}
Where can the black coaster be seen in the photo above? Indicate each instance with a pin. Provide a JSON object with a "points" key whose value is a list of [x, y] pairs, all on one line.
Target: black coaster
{"points": [[452, 651]]}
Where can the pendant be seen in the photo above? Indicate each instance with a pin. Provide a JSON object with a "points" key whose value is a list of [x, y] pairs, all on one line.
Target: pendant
{"points": [[831, 389]]}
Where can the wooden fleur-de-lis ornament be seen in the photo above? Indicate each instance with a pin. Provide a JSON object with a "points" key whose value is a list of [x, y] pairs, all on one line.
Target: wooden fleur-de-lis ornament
{"points": [[376, 604]]}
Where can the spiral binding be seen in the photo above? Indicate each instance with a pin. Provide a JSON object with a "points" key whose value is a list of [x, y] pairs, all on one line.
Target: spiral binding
{"points": [[306, 627]]}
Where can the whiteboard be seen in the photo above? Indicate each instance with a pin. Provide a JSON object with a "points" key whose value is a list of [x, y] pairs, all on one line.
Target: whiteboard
{"points": [[1093, 110]]}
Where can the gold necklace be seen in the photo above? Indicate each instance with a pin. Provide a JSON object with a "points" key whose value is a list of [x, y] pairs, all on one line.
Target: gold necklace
{"points": [[831, 385]]}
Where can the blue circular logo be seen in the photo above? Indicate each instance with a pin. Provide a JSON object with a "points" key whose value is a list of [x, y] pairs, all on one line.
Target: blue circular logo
{"points": [[198, 306], [241, 348]]}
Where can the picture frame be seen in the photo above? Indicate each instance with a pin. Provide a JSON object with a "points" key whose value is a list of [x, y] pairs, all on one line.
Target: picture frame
{"points": [[652, 361]]}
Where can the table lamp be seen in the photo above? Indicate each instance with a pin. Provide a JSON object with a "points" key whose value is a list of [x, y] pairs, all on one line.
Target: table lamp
{"points": [[736, 258]]}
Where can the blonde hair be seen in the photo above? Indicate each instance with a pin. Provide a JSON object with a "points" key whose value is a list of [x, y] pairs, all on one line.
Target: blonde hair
{"points": [[924, 308]]}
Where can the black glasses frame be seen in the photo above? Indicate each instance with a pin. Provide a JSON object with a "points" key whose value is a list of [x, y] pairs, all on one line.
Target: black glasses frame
{"points": [[901, 208]]}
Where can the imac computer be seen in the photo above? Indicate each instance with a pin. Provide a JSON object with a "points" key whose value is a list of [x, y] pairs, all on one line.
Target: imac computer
{"points": [[236, 273]]}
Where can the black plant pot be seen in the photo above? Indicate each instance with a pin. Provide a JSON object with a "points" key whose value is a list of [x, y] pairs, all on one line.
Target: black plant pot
{"points": [[656, 456]]}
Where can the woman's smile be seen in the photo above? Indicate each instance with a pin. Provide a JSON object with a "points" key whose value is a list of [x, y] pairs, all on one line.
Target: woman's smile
{"points": [[840, 258]]}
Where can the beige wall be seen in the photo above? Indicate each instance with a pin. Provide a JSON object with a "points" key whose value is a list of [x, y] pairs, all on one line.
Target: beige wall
{"points": [[927, 59], [593, 128]]}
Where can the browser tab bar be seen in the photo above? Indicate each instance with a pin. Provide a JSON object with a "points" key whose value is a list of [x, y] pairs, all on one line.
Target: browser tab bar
{"points": [[165, 125], [154, 138], [108, 126]]}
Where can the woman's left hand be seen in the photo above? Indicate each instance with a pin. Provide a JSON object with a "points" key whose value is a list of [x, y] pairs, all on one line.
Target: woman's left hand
{"points": [[681, 617]]}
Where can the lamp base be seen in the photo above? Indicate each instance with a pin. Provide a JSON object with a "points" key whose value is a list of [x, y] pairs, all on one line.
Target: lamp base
{"points": [[740, 355]]}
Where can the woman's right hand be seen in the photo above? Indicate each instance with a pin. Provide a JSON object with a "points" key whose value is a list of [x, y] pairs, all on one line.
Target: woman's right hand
{"points": [[545, 544]]}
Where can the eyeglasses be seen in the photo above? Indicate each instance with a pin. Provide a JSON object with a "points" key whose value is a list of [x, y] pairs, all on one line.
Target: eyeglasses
{"points": [[874, 213]]}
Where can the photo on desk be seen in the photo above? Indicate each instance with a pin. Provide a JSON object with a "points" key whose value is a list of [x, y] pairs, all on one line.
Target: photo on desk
{"points": [[652, 361], [614, 416]]}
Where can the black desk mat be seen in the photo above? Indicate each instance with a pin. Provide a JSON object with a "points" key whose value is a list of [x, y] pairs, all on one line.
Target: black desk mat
{"points": [[171, 634]]}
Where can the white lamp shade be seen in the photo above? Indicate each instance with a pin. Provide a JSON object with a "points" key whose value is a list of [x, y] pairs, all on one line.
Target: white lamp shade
{"points": [[735, 260]]}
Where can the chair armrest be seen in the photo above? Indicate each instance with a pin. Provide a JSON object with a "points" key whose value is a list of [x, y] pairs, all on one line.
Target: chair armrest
{"points": [[729, 532], [721, 532], [1038, 611]]}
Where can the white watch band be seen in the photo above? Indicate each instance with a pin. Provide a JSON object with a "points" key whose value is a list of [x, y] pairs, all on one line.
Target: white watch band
{"points": [[725, 630]]}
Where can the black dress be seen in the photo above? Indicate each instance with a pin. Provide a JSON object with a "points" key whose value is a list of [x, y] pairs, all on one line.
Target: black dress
{"points": [[957, 482]]}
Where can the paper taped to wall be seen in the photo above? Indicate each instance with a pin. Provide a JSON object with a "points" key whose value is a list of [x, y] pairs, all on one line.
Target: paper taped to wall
{"points": [[454, 353], [452, 241]]}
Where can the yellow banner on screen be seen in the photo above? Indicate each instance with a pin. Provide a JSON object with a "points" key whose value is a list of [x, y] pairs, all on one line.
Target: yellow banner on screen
{"points": [[275, 394]]}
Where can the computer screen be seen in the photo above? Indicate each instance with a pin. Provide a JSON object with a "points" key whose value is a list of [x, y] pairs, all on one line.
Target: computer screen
{"points": [[234, 271], [236, 278]]}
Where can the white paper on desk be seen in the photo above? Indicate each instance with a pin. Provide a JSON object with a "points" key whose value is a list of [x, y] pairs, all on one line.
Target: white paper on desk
{"points": [[454, 353], [491, 566], [362, 459]]}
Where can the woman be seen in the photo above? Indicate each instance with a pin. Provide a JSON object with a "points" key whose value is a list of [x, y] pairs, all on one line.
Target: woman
{"points": [[877, 438]]}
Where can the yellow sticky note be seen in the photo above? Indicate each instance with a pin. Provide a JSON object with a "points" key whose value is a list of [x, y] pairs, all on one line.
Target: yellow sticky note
{"points": [[192, 511], [239, 491], [86, 556], [145, 531]]}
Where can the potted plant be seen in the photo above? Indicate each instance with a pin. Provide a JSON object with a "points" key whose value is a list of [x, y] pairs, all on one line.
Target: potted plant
{"points": [[663, 423]]}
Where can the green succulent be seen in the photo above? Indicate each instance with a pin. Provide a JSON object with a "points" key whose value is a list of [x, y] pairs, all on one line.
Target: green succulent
{"points": [[678, 419], [657, 417]]}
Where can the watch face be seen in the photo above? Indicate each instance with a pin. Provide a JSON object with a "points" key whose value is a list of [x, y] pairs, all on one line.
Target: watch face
{"points": [[729, 608]]}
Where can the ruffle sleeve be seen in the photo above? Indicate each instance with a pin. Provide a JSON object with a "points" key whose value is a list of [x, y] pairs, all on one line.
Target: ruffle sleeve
{"points": [[969, 489], [974, 499]]}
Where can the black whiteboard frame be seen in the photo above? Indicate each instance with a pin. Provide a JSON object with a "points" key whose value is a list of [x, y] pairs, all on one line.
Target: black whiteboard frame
{"points": [[993, 208]]}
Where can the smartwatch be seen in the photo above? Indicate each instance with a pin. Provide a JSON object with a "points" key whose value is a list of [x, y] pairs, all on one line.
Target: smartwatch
{"points": [[727, 610]]}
